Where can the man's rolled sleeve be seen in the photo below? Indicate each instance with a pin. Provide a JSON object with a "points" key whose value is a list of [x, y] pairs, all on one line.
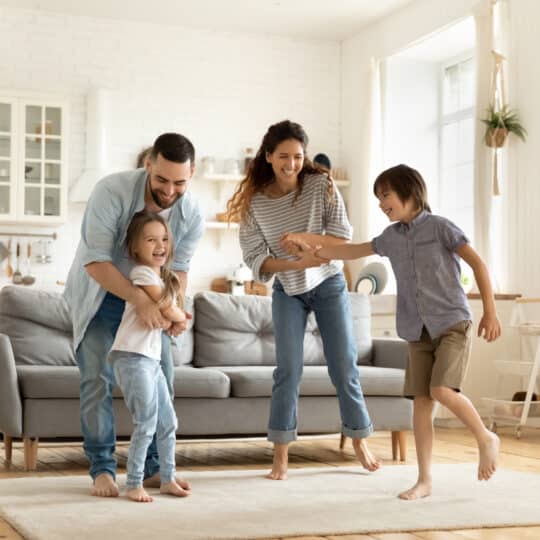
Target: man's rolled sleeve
{"points": [[185, 246]]}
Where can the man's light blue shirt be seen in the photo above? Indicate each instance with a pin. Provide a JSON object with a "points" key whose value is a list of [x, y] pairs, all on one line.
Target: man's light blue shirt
{"points": [[428, 275], [114, 201]]}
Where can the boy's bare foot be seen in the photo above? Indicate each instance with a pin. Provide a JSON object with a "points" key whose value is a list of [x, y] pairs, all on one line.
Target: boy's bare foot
{"points": [[489, 452], [366, 458], [173, 488], [418, 491], [139, 494], [155, 482], [105, 486], [280, 462]]}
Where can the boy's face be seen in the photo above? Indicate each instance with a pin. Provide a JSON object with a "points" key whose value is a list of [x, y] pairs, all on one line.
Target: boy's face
{"points": [[394, 208]]}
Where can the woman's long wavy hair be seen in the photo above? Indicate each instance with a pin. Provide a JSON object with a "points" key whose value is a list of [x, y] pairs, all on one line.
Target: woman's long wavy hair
{"points": [[172, 288], [260, 173]]}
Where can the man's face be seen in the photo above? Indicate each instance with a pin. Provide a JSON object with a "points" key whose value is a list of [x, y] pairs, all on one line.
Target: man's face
{"points": [[167, 180]]}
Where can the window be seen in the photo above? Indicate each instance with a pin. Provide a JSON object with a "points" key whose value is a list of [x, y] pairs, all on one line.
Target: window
{"points": [[456, 135]]}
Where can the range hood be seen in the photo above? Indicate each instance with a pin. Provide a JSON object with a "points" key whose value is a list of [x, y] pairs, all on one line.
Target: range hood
{"points": [[96, 165]]}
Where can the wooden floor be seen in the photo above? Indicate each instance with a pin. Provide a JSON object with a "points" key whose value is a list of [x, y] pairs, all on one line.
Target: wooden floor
{"points": [[451, 446]]}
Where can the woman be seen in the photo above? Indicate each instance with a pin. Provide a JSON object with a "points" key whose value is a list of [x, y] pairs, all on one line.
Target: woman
{"points": [[283, 191]]}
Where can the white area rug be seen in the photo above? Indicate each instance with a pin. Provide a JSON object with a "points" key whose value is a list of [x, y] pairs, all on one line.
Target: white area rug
{"points": [[243, 504]]}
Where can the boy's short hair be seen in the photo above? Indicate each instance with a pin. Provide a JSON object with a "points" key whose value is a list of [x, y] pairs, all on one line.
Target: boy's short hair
{"points": [[406, 182]]}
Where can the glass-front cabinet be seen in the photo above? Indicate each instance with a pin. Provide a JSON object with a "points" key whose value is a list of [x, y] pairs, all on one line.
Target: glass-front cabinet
{"points": [[33, 164]]}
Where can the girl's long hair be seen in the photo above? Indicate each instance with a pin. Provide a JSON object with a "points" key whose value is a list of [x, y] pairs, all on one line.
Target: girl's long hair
{"points": [[260, 173], [172, 288]]}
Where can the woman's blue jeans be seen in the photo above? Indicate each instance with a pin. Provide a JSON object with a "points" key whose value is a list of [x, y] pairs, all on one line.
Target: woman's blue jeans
{"points": [[96, 385], [330, 303]]}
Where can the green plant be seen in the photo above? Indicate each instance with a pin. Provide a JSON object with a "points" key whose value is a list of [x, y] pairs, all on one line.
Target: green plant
{"points": [[504, 119]]}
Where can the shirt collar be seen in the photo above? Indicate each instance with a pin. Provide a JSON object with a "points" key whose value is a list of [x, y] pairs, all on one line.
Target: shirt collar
{"points": [[417, 221]]}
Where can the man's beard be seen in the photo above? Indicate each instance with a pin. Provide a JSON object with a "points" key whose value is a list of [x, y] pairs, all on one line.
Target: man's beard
{"points": [[156, 199]]}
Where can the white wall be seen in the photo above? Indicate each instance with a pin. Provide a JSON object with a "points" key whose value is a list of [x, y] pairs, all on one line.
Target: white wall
{"points": [[220, 89]]}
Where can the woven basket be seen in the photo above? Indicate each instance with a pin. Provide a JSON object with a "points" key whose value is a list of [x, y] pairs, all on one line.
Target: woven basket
{"points": [[495, 138]]}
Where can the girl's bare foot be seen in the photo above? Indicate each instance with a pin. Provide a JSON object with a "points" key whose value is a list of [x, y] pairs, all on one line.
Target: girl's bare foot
{"points": [[280, 462], [139, 494], [366, 458], [418, 491], [105, 486], [173, 488], [155, 482], [489, 452]]}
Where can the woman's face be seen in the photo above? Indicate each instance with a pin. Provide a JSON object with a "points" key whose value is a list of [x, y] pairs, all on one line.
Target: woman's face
{"points": [[287, 161]]}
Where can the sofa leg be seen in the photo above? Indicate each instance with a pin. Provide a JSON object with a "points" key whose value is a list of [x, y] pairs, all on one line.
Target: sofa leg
{"points": [[30, 453], [399, 440], [8, 446], [342, 441]]}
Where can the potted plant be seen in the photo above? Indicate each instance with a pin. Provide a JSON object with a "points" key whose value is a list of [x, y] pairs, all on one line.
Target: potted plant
{"points": [[501, 122]]}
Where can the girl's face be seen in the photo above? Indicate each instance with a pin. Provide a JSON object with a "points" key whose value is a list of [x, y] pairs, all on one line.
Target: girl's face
{"points": [[152, 247], [287, 161], [394, 208]]}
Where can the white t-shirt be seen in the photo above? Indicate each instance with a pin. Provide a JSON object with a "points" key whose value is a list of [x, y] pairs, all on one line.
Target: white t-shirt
{"points": [[133, 335]]}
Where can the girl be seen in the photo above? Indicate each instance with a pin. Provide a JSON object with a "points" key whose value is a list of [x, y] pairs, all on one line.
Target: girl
{"points": [[284, 191], [136, 352], [433, 314]]}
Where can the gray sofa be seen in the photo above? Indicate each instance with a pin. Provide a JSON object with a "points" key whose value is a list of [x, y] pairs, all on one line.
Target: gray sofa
{"points": [[223, 372]]}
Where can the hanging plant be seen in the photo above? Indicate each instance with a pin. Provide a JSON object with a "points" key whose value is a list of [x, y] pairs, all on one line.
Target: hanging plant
{"points": [[500, 123]]}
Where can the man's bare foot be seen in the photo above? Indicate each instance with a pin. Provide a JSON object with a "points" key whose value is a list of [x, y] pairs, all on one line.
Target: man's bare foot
{"points": [[155, 482], [366, 458], [418, 491], [173, 488], [280, 463], [139, 494], [489, 452], [105, 486]]}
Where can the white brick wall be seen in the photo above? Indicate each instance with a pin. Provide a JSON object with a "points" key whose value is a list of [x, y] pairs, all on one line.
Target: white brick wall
{"points": [[220, 89]]}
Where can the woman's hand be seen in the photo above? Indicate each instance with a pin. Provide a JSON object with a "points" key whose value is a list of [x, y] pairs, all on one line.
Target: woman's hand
{"points": [[292, 243], [308, 258]]}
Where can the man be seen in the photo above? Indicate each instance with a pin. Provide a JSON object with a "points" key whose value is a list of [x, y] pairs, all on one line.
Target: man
{"points": [[97, 288]]}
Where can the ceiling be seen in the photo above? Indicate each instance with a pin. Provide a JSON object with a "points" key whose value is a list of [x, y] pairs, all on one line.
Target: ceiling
{"points": [[308, 19]]}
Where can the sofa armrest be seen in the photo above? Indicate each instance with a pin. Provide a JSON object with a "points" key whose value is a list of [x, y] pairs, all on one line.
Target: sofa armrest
{"points": [[390, 353], [10, 398]]}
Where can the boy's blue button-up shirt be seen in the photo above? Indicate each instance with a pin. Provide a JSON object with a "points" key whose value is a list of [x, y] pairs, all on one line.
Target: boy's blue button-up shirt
{"points": [[114, 201], [428, 275]]}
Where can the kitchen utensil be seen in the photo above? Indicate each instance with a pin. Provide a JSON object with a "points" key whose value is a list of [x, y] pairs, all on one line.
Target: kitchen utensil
{"points": [[17, 276], [28, 279], [9, 268]]}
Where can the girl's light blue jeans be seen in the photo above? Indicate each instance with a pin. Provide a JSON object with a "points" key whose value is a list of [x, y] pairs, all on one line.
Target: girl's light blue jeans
{"points": [[330, 303], [148, 400]]}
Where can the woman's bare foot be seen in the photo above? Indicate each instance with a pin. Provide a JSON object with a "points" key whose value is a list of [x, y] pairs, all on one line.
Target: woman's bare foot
{"points": [[366, 458], [418, 491], [139, 494], [173, 488], [489, 452], [105, 486], [280, 463], [155, 482]]}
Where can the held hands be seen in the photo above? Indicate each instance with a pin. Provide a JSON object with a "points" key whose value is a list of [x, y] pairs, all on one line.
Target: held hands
{"points": [[176, 328], [489, 327], [306, 254], [149, 313]]}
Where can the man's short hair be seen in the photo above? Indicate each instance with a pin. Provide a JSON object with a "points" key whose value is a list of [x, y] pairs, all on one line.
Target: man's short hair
{"points": [[173, 147]]}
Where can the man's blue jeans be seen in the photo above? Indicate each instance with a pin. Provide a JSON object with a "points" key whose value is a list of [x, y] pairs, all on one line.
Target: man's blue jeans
{"points": [[97, 382], [330, 303]]}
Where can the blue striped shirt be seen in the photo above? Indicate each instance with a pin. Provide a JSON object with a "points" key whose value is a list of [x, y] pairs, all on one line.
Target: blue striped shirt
{"points": [[428, 275], [114, 201]]}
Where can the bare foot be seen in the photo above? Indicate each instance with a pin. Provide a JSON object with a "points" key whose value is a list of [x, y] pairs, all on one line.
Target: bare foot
{"points": [[366, 458], [280, 463], [173, 488], [155, 482], [418, 491], [105, 486], [489, 452], [139, 494]]}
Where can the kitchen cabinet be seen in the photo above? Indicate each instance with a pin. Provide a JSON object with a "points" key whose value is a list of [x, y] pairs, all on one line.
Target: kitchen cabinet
{"points": [[33, 160]]}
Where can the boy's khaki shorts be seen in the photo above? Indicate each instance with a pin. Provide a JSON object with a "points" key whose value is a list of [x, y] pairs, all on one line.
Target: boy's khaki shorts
{"points": [[438, 362]]}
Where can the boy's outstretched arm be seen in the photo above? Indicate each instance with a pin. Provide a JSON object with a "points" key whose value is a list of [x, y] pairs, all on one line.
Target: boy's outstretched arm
{"points": [[346, 251], [489, 324]]}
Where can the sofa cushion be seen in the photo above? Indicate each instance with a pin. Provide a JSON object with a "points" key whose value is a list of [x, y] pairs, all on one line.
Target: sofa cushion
{"points": [[238, 331], [182, 346], [38, 326], [256, 381], [62, 382]]}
